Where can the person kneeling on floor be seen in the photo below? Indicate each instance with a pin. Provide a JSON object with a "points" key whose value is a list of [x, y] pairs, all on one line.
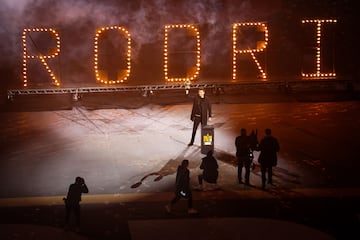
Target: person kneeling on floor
{"points": [[210, 172]]}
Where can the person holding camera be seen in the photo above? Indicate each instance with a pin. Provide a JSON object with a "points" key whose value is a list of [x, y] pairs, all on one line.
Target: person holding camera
{"points": [[73, 199]]}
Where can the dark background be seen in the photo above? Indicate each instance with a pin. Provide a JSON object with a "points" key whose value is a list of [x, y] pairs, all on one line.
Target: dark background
{"points": [[288, 53]]}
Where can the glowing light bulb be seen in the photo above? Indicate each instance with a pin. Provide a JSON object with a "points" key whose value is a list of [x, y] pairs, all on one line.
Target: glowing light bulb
{"points": [[261, 27], [42, 58], [194, 29], [318, 73], [127, 71]]}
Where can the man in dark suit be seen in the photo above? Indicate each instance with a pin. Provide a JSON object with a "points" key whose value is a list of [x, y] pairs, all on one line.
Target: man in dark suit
{"points": [[269, 146], [242, 144], [201, 112]]}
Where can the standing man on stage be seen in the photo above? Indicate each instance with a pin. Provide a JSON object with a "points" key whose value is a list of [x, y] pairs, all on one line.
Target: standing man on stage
{"points": [[201, 112]]}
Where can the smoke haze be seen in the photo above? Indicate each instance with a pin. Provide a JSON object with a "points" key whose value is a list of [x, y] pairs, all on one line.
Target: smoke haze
{"points": [[77, 21]]}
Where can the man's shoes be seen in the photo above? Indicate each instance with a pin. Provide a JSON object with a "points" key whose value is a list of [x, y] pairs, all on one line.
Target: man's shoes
{"points": [[192, 211], [190, 144], [168, 208]]}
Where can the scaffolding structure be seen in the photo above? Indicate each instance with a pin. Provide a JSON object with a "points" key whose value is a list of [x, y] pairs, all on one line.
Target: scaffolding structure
{"points": [[76, 91]]}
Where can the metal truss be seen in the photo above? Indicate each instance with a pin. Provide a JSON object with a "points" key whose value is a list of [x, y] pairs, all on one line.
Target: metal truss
{"points": [[146, 88], [81, 90]]}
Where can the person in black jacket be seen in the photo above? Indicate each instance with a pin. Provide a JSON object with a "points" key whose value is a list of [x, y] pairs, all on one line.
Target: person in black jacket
{"points": [[182, 187], [201, 112], [268, 147], [210, 167], [242, 144], [73, 199]]}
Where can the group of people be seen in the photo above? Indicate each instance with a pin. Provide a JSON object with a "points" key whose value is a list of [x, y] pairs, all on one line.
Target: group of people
{"points": [[210, 174], [245, 147]]}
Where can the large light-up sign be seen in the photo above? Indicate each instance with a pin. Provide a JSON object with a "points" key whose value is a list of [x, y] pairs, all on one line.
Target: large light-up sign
{"points": [[260, 46], [122, 71], [318, 73], [38, 55], [194, 31]]}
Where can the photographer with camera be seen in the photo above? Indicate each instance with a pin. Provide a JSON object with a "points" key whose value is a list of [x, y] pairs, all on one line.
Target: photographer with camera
{"points": [[73, 199]]}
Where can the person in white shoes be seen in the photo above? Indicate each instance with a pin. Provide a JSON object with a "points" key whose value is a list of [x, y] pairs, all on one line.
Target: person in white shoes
{"points": [[182, 187]]}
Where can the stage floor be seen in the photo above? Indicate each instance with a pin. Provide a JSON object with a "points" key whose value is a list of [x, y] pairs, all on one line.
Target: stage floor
{"points": [[128, 148], [113, 149]]}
